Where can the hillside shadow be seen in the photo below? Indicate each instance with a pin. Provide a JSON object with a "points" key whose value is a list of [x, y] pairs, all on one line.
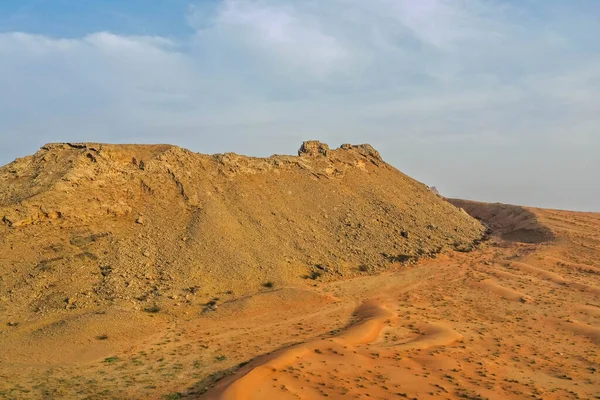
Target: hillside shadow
{"points": [[509, 222]]}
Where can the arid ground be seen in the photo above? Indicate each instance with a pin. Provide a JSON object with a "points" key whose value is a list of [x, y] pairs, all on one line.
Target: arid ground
{"points": [[515, 316]]}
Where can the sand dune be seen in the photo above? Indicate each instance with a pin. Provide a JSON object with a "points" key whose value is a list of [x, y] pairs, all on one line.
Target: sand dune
{"points": [[589, 331], [580, 267], [372, 315], [551, 276], [592, 311], [504, 292], [255, 381], [431, 334]]}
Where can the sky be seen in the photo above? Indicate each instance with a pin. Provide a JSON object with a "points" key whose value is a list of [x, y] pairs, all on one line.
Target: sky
{"points": [[493, 100]]}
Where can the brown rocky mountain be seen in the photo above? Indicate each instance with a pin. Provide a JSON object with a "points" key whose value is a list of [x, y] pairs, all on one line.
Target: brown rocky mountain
{"points": [[145, 226]]}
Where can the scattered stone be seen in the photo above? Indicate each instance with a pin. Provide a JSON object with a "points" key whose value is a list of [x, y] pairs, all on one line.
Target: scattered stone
{"points": [[106, 270]]}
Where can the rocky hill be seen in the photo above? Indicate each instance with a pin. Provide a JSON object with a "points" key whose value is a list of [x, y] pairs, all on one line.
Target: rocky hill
{"points": [[145, 226]]}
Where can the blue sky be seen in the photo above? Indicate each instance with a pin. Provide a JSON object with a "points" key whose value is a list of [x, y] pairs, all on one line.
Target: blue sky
{"points": [[75, 18], [485, 99]]}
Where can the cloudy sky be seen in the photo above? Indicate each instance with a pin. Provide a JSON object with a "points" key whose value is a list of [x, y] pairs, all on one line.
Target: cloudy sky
{"points": [[495, 100]]}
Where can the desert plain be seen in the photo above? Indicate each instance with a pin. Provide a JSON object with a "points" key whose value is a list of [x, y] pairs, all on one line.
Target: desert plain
{"points": [[151, 272]]}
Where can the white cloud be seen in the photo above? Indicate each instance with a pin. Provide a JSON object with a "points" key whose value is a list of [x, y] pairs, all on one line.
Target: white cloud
{"points": [[283, 32], [481, 76]]}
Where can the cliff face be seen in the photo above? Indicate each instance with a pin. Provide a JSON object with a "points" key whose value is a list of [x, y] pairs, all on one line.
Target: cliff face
{"points": [[84, 225]]}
